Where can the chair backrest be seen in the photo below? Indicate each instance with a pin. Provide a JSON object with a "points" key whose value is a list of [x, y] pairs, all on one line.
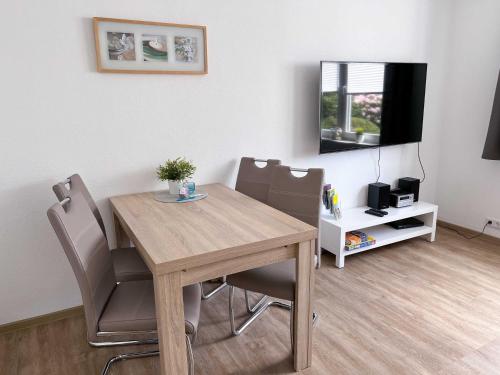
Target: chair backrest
{"points": [[88, 253], [299, 197], [73, 185], [253, 180]]}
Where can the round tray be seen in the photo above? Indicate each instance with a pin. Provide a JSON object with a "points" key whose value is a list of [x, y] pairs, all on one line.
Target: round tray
{"points": [[166, 197]]}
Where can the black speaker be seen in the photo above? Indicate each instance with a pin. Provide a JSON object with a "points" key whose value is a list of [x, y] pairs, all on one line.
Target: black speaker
{"points": [[410, 185], [378, 195]]}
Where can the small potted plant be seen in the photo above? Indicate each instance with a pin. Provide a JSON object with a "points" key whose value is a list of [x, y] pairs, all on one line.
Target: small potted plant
{"points": [[175, 172], [360, 135]]}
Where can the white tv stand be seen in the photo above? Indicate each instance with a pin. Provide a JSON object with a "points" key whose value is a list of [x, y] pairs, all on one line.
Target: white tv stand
{"points": [[333, 231]]}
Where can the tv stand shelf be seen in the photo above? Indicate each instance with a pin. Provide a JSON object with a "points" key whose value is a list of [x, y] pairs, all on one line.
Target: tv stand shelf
{"points": [[333, 231]]}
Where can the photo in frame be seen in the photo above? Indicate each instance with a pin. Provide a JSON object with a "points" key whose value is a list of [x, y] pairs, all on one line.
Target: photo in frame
{"points": [[129, 46]]}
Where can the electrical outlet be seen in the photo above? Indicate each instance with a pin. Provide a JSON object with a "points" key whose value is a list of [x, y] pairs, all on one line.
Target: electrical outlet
{"points": [[495, 223]]}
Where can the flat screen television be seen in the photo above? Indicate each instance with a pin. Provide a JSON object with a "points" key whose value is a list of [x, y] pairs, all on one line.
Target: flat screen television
{"points": [[366, 104]]}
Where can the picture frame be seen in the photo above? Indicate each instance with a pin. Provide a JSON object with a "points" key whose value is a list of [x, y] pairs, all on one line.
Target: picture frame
{"points": [[143, 47]]}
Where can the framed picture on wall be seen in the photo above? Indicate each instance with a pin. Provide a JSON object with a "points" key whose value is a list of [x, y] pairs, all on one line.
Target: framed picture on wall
{"points": [[128, 46]]}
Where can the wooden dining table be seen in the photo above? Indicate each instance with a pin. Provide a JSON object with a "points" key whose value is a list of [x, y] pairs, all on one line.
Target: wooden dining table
{"points": [[225, 233]]}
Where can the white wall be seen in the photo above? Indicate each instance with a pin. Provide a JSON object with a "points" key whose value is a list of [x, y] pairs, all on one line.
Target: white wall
{"points": [[468, 185], [260, 98]]}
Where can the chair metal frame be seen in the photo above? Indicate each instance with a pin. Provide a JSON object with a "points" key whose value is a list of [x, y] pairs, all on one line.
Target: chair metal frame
{"points": [[258, 309], [205, 296], [134, 355], [262, 305]]}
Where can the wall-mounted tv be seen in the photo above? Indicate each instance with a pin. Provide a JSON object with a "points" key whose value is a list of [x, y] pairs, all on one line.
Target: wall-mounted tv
{"points": [[365, 105]]}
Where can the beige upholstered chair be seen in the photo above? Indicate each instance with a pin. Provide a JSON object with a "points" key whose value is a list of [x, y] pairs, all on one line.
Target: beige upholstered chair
{"points": [[299, 197], [116, 313], [253, 181], [127, 262]]}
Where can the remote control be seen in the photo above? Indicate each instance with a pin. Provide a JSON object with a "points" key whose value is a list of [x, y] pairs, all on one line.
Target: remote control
{"points": [[380, 211], [373, 212]]}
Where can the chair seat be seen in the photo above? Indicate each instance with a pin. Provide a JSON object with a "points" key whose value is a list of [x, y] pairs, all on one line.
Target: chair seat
{"points": [[276, 280], [129, 266], [131, 307]]}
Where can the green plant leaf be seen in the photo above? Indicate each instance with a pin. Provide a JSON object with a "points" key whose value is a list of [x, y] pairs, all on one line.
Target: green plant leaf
{"points": [[178, 169]]}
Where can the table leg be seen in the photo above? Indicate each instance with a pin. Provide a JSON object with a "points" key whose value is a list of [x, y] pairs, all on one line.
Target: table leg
{"points": [[122, 239], [171, 330], [302, 343]]}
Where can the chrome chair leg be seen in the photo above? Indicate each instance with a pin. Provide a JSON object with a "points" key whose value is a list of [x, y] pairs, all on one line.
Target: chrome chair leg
{"points": [[106, 344], [258, 312], [258, 309], [210, 294], [251, 310], [122, 357]]}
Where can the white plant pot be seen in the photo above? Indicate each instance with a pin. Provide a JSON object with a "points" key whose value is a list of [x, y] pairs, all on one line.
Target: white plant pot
{"points": [[174, 187], [360, 138]]}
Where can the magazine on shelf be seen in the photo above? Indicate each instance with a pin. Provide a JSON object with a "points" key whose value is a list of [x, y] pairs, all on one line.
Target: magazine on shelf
{"points": [[357, 239]]}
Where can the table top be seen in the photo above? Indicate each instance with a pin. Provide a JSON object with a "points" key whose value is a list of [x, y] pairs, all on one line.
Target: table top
{"points": [[175, 236]]}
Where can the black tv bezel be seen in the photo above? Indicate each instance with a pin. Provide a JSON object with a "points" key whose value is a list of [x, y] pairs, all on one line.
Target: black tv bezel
{"points": [[354, 148]]}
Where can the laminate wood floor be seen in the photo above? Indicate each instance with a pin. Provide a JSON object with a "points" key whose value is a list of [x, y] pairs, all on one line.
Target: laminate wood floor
{"points": [[408, 308]]}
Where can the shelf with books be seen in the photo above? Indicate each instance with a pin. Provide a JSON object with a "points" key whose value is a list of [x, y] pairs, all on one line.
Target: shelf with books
{"points": [[333, 232]]}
